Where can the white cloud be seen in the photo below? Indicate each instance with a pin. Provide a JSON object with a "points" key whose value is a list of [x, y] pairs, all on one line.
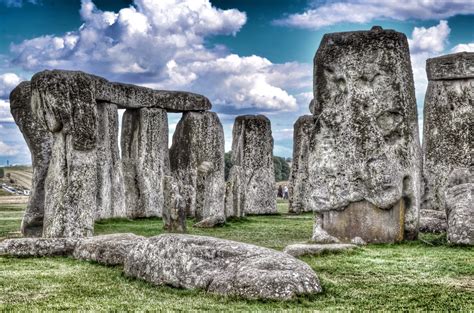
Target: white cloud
{"points": [[464, 47], [363, 11], [161, 44], [432, 39], [8, 81], [426, 43], [7, 150], [5, 115]]}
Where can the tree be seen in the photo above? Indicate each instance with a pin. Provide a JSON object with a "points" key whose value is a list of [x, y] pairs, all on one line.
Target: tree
{"points": [[228, 164], [2, 172], [282, 169]]}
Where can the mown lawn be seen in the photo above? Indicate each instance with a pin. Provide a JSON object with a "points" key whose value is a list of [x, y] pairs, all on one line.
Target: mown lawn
{"points": [[423, 275]]}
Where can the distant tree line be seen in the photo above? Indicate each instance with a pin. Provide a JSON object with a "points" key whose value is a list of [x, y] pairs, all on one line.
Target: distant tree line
{"points": [[281, 167]]}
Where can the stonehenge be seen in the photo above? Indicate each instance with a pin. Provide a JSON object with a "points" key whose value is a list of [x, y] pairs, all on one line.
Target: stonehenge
{"points": [[357, 162], [447, 132], [70, 122], [364, 159], [299, 166], [252, 178]]}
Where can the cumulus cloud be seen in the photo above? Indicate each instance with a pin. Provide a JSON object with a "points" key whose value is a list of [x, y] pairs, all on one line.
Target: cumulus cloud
{"points": [[362, 11], [426, 43], [464, 47], [5, 115], [8, 81], [161, 44], [432, 39], [7, 150]]}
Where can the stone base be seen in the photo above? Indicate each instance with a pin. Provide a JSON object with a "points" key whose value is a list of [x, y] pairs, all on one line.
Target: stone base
{"points": [[433, 221], [365, 220]]}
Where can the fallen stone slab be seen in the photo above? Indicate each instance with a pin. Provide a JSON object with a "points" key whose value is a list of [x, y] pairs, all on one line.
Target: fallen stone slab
{"points": [[220, 266], [211, 222], [301, 249], [106, 249], [37, 247]]}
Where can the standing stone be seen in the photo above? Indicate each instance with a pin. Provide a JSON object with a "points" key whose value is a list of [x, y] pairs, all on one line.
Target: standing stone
{"points": [[110, 186], [252, 157], [460, 206], [174, 209], [67, 107], [364, 157], [197, 161], [145, 160], [234, 195], [447, 133], [299, 168], [39, 141]]}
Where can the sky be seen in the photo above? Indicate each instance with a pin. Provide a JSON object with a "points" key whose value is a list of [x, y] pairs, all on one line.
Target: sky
{"points": [[247, 56]]}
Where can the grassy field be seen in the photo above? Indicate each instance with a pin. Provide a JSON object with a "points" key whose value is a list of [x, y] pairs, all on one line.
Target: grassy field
{"points": [[423, 275]]}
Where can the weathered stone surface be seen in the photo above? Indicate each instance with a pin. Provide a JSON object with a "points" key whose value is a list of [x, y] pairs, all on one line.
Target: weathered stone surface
{"points": [[252, 154], [68, 109], [106, 249], [447, 131], [37, 247], [174, 209], [197, 161], [110, 186], [460, 206], [301, 249], [210, 222], [366, 221], [233, 193], [220, 266], [364, 145], [451, 66], [145, 160], [302, 130], [39, 141], [123, 95]]}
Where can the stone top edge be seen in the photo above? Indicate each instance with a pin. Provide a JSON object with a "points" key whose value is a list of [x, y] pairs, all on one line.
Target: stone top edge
{"points": [[451, 66], [252, 117], [127, 95]]}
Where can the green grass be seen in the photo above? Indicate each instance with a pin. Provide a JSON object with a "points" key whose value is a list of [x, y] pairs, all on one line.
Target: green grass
{"points": [[427, 274]]}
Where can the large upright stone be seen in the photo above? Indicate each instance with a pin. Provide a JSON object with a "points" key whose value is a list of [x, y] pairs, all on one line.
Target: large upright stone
{"points": [[68, 110], [447, 133], [39, 141], [145, 160], [364, 156], [252, 159], [197, 161], [110, 186], [299, 167]]}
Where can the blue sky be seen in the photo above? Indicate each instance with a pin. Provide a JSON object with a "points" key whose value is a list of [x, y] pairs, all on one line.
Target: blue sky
{"points": [[247, 56]]}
